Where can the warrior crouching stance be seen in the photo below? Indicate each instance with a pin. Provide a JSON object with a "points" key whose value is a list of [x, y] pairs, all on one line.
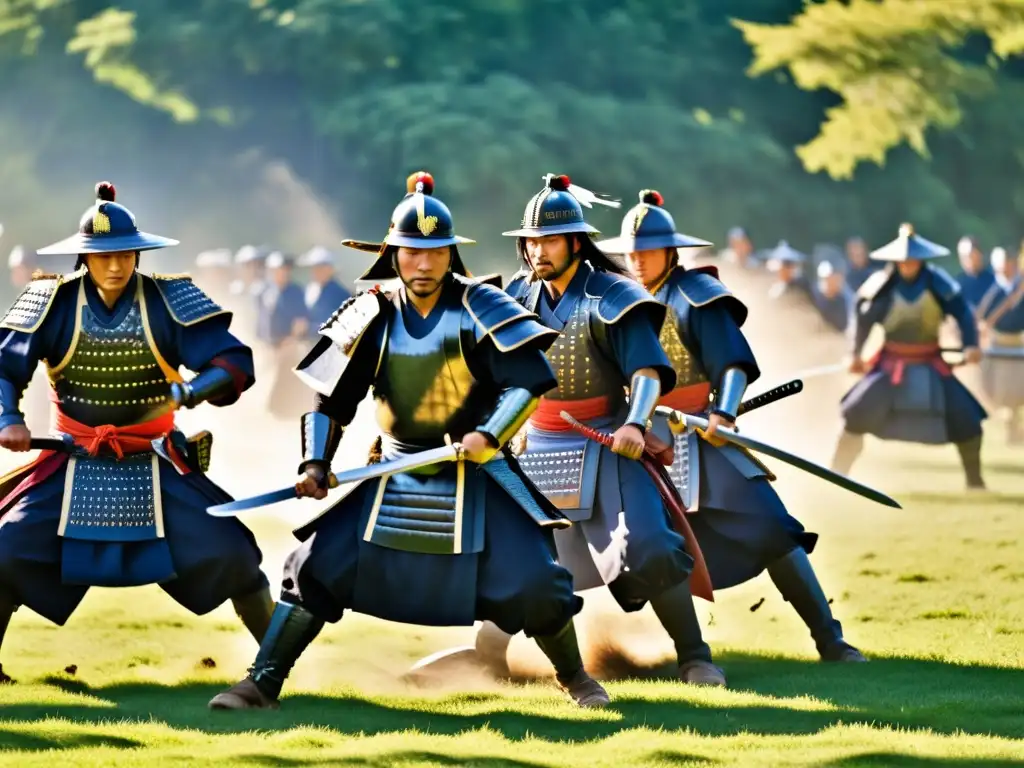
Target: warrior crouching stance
{"points": [[741, 524], [447, 544], [910, 393], [122, 501]]}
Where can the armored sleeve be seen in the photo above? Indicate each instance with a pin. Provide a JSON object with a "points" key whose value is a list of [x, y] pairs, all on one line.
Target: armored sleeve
{"points": [[949, 295], [344, 399], [503, 320], [715, 332], [870, 306], [632, 320]]}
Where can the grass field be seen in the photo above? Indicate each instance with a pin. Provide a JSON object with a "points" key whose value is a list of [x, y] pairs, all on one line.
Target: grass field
{"points": [[934, 594]]}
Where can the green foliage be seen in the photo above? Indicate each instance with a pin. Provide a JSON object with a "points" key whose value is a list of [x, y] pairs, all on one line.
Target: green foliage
{"points": [[489, 95], [895, 64]]}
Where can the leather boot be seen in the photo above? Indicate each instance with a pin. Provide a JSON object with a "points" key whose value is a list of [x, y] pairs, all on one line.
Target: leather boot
{"points": [[292, 629], [848, 448], [677, 614], [798, 584], [970, 457], [255, 611], [563, 650]]}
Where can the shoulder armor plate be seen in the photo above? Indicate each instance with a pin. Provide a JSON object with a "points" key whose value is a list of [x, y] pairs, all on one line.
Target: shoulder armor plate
{"points": [[618, 295], [349, 322], [699, 288], [31, 307], [944, 284], [505, 320], [187, 302], [518, 285], [874, 284]]}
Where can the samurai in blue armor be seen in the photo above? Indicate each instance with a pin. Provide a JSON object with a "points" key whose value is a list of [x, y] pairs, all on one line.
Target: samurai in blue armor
{"points": [[741, 524], [447, 357], [120, 500], [909, 392], [607, 325], [1001, 325]]}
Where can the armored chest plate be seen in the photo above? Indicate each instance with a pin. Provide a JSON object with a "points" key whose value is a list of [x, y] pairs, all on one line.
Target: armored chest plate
{"points": [[424, 388], [106, 499], [688, 371], [112, 375], [582, 369], [913, 321]]}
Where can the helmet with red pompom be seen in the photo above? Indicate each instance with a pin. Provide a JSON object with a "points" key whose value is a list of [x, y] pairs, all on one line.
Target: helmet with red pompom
{"points": [[106, 227], [553, 211], [647, 227], [420, 220]]}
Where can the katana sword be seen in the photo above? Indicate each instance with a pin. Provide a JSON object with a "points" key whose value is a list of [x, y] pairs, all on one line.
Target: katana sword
{"points": [[453, 452], [773, 395], [680, 421]]}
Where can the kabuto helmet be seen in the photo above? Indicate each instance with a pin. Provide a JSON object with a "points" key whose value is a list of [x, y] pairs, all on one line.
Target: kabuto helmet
{"points": [[420, 220], [909, 245], [106, 227], [558, 209], [648, 226]]}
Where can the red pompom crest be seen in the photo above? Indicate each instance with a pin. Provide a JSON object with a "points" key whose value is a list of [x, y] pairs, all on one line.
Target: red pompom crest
{"points": [[105, 191], [421, 181], [652, 197]]}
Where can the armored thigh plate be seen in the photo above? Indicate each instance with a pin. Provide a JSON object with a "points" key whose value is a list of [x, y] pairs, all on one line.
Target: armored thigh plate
{"points": [[107, 499], [564, 467], [685, 469]]}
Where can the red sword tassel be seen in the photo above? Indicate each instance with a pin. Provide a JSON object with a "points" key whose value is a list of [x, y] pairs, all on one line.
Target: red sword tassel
{"points": [[700, 579]]}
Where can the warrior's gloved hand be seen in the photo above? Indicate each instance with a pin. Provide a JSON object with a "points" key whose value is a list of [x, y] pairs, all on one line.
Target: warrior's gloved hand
{"points": [[313, 484], [972, 355], [628, 441], [15, 437], [478, 447]]}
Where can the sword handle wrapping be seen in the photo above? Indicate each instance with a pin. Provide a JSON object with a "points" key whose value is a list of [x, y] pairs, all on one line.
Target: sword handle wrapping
{"points": [[588, 432]]}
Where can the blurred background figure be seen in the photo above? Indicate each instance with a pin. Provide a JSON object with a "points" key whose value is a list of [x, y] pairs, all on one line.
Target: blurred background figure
{"points": [[35, 403], [832, 296], [859, 267], [324, 293], [283, 326], [787, 264], [1001, 325], [213, 274], [740, 249], [975, 277], [247, 289]]}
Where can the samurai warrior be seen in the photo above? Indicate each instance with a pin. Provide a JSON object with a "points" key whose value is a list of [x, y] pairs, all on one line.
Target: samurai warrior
{"points": [[120, 499], [623, 536], [741, 524], [1001, 327], [909, 392], [445, 544]]}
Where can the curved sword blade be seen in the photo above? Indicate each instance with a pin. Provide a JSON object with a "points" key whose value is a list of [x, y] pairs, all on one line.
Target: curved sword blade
{"points": [[359, 474], [753, 444]]}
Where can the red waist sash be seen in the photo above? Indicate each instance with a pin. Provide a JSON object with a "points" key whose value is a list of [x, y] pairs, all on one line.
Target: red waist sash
{"points": [[894, 357], [691, 399], [548, 414]]}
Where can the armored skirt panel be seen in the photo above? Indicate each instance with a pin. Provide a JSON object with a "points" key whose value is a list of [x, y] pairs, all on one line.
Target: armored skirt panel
{"points": [[424, 387], [622, 535], [200, 560], [463, 544], [910, 394], [1003, 378], [739, 520]]}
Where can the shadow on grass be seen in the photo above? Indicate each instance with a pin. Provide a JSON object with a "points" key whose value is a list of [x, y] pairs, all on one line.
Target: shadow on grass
{"points": [[18, 740], [404, 757], [896, 760], [912, 694]]}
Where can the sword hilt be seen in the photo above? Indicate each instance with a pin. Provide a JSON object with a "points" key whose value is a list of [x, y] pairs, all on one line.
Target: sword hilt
{"points": [[788, 389], [588, 432]]}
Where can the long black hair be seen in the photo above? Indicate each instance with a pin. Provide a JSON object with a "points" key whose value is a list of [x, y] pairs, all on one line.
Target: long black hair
{"points": [[588, 250]]}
